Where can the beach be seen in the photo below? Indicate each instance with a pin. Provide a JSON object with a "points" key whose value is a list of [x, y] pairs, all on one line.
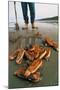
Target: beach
{"points": [[17, 40]]}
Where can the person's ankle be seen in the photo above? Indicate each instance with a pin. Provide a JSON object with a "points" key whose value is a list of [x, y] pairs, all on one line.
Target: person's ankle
{"points": [[34, 26], [26, 25]]}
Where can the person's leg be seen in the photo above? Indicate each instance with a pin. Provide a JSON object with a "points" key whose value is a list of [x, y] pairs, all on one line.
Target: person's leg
{"points": [[25, 13], [32, 14], [32, 11]]}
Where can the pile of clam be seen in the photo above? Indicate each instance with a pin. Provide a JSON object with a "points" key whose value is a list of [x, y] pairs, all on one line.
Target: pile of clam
{"points": [[33, 57]]}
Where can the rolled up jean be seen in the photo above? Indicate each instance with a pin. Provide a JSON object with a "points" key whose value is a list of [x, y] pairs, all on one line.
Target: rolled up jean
{"points": [[25, 11]]}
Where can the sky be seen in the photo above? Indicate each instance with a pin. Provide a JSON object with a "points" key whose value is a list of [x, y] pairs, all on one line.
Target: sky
{"points": [[41, 11]]}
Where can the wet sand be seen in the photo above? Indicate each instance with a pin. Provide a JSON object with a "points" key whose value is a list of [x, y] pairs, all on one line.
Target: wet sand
{"points": [[50, 70]]}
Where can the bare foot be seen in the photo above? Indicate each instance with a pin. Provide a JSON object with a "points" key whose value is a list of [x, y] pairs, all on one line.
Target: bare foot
{"points": [[34, 27], [25, 27], [16, 26]]}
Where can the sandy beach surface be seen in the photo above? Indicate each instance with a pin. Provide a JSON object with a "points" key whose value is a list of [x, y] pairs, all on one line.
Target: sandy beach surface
{"points": [[17, 40]]}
